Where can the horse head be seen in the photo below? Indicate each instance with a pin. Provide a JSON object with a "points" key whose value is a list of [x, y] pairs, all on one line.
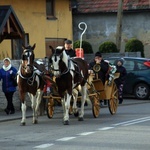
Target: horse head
{"points": [[59, 61], [28, 59]]}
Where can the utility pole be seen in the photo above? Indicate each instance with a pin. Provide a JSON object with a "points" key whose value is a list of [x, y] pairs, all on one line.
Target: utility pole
{"points": [[119, 24]]}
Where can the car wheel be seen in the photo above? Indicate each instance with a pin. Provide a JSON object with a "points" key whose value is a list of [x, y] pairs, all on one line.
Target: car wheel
{"points": [[141, 91]]}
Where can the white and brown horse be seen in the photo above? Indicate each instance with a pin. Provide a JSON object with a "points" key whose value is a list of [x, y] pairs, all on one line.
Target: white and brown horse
{"points": [[29, 82], [69, 73]]}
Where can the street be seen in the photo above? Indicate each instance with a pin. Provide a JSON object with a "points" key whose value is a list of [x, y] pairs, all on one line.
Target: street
{"points": [[127, 129]]}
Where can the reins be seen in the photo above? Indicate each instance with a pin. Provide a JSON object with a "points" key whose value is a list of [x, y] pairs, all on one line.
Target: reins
{"points": [[30, 80]]}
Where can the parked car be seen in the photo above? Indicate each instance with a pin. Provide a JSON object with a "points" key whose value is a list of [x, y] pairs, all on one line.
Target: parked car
{"points": [[137, 82]]}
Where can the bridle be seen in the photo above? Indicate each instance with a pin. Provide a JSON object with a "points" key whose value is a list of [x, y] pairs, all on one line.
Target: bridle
{"points": [[60, 70], [26, 57]]}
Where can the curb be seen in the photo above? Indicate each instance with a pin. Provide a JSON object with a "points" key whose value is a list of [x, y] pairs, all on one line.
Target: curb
{"points": [[60, 111]]}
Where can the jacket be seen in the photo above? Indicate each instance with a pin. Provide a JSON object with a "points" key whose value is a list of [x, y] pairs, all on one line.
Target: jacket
{"points": [[70, 53], [7, 79], [102, 74], [122, 76]]}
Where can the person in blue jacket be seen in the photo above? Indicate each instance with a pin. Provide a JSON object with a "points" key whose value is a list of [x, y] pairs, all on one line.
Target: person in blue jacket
{"points": [[7, 74]]}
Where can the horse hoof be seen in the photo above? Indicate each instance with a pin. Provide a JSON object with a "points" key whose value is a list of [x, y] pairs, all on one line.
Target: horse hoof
{"points": [[76, 114], [22, 124], [80, 119], [66, 122], [35, 122]]}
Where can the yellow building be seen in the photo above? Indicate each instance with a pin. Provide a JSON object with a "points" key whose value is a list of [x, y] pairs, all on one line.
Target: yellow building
{"points": [[45, 22]]}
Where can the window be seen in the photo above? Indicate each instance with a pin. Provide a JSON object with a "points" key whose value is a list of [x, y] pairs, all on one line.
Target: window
{"points": [[50, 9], [141, 66], [129, 65]]}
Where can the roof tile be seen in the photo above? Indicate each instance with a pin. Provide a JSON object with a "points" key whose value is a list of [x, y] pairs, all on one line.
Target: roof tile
{"points": [[92, 6]]}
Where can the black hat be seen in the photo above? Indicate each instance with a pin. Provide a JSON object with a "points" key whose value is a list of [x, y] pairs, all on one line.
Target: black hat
{"points": [[68, 42], [98, 54]]}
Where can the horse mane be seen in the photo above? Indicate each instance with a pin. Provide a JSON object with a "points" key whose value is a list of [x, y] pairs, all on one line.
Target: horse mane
{"points": [[65, 58]]}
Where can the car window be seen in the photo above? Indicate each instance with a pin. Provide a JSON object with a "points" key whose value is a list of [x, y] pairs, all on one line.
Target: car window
{"points": [[129, 64], [112, 61], [141, 66]]}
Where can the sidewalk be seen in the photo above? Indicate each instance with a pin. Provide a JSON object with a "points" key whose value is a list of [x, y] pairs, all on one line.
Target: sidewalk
{"points": [[18, 114]]}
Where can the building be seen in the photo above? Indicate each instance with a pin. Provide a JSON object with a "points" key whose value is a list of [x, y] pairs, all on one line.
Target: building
{"points": [[45, 22], [101, 19]]}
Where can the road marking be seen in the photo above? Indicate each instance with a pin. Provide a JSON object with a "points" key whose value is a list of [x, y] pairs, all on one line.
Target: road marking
{"points": [[86, 133], [43, 146], [66, 139], [125, 123], [132, 121], [105, 128], [135, 122]]}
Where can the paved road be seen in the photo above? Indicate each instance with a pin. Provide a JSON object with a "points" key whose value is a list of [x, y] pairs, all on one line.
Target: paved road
{"points": [[17, 115], [127, 130]]}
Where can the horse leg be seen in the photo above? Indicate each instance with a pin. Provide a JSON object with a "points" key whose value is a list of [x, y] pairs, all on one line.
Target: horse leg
{"points": [[66, 106], [23, 108], [75, 108], [33, 105], [84, 92], [38, 101], [63, 105]]}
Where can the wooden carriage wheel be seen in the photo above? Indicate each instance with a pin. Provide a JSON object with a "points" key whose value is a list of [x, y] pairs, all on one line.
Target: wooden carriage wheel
{"points": [[113, 101], [50, 107], [95, 106]]}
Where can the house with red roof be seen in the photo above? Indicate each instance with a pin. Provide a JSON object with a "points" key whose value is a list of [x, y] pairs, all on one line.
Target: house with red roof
{"points": [[101, 19]]}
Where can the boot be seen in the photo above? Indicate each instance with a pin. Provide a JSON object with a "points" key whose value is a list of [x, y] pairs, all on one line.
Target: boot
{"points": [[105, 102], [7, 111], [12, 111], [120, 100]]}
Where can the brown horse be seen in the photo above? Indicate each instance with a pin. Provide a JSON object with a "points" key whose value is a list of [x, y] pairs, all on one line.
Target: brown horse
{"points": [[29, 82], [69, 74]]}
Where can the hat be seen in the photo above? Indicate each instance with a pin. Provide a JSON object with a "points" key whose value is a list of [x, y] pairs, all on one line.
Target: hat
{"points": [[98, 54], [121, 60], [68, 42], [7, 59]]}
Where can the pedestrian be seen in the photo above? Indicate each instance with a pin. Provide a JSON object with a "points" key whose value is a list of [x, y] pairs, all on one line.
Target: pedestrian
{"points": [[121, 80], [68, 48], [102, 72], [7, 75], [103, 66]]}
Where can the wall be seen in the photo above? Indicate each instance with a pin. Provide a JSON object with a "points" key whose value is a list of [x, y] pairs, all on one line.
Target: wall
{"points": [[32, 15], [102, 27]]}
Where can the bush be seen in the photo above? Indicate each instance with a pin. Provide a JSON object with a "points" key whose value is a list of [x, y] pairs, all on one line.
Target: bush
{"points": [[108, 47], [85, 45], [134, 45]]}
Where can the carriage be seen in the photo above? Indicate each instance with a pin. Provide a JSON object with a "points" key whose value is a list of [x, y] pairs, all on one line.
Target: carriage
{"points": [[69, 75], [96, 92]]}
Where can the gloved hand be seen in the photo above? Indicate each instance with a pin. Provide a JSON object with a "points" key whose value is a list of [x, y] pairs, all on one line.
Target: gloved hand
{"points": [[109, 81]]}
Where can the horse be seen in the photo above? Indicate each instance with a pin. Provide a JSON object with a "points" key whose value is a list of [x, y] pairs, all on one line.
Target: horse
{"points": [[29, 82], [69, 73]]}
